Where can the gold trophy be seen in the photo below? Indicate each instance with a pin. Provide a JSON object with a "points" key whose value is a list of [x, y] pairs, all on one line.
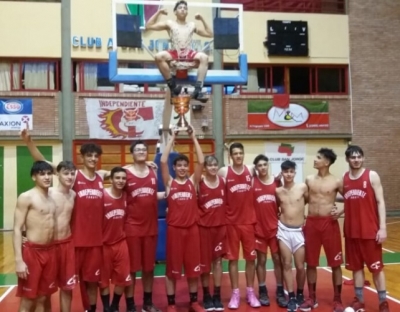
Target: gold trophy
{"points": [[181, 107]]}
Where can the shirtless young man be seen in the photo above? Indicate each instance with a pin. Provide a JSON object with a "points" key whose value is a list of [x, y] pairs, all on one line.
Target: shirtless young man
{"points": [[141, 226], [181, 33], [212, 229], [241, 220], [264, 189], [292, 198], [115, 266], [364, 226], [35, 259], [183, 239], [322, 229], [87, 218]]}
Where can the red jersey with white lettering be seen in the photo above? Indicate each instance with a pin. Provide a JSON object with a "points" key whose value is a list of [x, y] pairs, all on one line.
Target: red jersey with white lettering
{"points": [[212, 204], [182, 204], [240, 207], [361, 210], [265, 206], [114, 218], [142, 213], [87, 216]]}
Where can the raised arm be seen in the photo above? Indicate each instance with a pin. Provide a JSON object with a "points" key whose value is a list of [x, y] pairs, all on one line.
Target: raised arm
{"points": [[198, 170], [21, 210], [167, 179], [207, 32], [33, 150], [378, 190], [152, 23]]}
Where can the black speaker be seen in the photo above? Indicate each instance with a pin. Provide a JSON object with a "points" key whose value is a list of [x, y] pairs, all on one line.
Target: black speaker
{"points": [[129, 33], [226, 33]]}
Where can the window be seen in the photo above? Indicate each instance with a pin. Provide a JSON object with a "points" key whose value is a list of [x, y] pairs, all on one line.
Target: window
{"points": [[29, 75], [90, 76], [301, 79]]}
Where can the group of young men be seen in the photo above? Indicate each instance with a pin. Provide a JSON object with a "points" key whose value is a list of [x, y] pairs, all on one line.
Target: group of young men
{"points": [[80, 229]]}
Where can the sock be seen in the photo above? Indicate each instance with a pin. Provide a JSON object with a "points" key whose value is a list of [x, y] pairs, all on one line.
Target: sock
{"points": [[312, 290], [92, 308], [292, 295], [115, 300], [193, 297], [105, 300], [147, 298], [382, 296], [337, 293], [217, 292], [198, 85], [299, 291], [262, 289], [360, 293], [206, 291], [130, 303], [279, 289], [171, 83], [171, 299]]}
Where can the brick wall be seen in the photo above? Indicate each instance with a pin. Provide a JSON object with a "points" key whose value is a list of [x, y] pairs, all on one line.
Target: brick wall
{"points": [[45, 113], [375, 74], [236, 116], [81, 125]]}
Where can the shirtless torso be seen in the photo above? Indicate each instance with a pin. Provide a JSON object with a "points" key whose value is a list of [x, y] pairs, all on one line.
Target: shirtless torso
{"points": [[322, 194], [292, 203], [64, 207]]}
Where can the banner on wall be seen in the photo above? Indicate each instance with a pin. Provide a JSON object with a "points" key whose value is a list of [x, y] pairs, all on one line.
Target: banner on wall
{"points": [[279, 152], [125, 119], [263, 115], [15, 114]]}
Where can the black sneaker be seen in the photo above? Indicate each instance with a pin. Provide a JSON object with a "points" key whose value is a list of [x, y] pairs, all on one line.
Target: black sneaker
{"points": [[292, 305], [264, 299], [131, 309], [208, 303], [218, 306], [199, 96], [281, 300], [150, 308], [300, 299]]}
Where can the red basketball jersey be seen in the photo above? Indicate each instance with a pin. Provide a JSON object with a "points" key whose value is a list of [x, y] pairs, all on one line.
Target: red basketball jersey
{"points": [[142, 211], [114, 218], [265, 206], [361, 210], [212, 204], [240, 209], [87, 217], [182, 204]]}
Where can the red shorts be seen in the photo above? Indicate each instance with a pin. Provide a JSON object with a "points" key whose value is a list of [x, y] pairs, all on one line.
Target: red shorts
{"points": [[88, 263], [142, 253], [262, 242], [184, 55], [244, 234], [65, 253], [360, 251], [212, 245], [183, 246], [42, 268], [115, 266], [323, 231]]}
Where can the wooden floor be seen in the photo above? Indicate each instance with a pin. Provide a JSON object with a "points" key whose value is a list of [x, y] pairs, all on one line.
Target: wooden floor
{"points": [[391, 259]]}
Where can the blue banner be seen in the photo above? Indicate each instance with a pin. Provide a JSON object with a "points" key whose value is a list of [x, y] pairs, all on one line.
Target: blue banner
{"points": [[15, 114]]}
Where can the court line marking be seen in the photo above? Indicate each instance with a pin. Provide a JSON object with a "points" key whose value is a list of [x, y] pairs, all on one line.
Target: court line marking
{"points": [[367, 287], [395, 222], [388, 250], [6, 293]]}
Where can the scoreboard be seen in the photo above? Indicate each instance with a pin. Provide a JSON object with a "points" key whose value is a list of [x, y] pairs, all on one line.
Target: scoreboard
{"points": [[287, 38]]}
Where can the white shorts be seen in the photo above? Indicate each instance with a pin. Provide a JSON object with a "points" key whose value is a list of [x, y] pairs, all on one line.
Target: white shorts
{"points": [[293, 238]]}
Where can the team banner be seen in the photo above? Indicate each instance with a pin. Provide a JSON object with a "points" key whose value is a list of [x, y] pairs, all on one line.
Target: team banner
{"points": [[263, 115], [124, 119], [279, 152], [15, 114]]}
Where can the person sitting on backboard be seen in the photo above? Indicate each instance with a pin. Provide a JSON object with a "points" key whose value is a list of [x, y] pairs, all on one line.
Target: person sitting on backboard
{"points": [[181, 33]]}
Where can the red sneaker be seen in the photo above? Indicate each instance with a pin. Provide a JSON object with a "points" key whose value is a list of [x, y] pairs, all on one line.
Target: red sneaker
{"points": [[357, 305], [195, 307], [171, 308], [338, 306], [308, 305], [384, 307]]}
